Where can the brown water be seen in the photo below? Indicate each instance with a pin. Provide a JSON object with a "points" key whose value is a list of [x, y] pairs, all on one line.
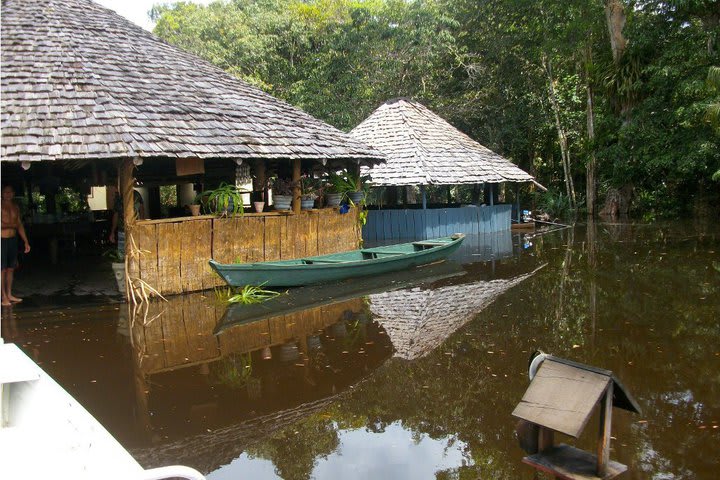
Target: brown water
{"points": [[414, 375]]}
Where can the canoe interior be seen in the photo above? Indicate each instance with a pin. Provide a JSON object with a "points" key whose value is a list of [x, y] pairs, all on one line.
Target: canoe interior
{"points": [[366, 253]]}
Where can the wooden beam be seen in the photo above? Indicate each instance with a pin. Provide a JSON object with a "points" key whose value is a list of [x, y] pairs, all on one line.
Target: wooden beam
{"points": [[296, 185], [603, 455]]}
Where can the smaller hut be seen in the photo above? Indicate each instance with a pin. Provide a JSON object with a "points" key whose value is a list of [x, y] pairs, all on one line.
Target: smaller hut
{"points": [[422, 149]]}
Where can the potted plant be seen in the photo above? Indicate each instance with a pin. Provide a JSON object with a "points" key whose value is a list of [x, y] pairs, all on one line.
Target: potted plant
{"points": [[332, 196], [259, 189], [310, 189], [195, 205], [282, 190], [224, 200], [118, 266], [353, 186]]}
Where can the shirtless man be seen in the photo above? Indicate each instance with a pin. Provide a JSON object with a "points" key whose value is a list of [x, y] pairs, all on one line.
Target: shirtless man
{"points": [[12, 227]]}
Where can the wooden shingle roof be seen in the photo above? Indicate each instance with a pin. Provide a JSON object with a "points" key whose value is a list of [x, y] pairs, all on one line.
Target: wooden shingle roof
{"points": [[424, 149], [81, 82]]}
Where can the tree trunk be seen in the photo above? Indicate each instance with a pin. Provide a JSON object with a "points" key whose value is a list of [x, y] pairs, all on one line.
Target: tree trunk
{"points": [[591, 169], [615, 17], [562, 135]]}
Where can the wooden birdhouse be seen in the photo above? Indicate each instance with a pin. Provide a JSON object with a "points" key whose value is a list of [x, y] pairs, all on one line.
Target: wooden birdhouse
{"points": [[562, 397]]}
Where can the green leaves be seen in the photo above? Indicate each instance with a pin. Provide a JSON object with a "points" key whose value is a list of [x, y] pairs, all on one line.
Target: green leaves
{"points": [[479, 65], [224, 200], [246, 295]]}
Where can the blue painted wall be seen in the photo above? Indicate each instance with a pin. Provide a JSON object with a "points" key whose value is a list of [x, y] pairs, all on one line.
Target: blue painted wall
{"points": [[436, 222]]}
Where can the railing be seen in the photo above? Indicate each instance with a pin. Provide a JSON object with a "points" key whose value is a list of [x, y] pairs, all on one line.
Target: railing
{"points": [[435, 222], [173, 254]]}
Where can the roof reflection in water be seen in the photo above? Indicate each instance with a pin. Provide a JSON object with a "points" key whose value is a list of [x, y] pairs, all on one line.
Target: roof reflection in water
{"points": [[418, 320]]}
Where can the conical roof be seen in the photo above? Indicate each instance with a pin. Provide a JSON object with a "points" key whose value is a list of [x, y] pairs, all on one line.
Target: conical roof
{"points": [[81, 82], [424, 149]]}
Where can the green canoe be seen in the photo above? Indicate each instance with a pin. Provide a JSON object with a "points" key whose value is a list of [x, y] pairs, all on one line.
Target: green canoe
{"points": [[338, 266]]}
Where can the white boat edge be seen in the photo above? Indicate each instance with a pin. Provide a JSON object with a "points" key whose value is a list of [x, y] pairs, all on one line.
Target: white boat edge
{"points": [[46, 433]]}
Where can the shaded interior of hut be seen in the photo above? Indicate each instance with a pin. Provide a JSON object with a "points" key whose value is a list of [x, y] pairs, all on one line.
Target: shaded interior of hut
{"points": [[67, 208]]}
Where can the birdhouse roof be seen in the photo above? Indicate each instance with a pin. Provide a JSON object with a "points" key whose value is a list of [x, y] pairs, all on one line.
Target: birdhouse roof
{"points": [[563, 395]]}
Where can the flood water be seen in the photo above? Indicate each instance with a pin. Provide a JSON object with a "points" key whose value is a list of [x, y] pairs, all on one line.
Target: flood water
{"points": [[414, 375]]}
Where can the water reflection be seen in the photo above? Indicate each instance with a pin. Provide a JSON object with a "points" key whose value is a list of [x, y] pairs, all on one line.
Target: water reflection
{"points": [[418, 320], [351, 453], [206, 396], [440, 355]]}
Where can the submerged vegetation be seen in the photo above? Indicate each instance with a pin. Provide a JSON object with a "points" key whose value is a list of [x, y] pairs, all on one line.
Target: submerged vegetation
{"points": [[590, 97], [246, 295]]}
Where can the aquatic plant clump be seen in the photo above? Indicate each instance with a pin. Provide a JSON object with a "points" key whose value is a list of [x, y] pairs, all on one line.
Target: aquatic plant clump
{"points": [[248, 294]]}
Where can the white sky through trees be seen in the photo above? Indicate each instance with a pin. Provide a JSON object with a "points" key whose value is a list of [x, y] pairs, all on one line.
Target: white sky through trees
{"points": [[137, 10]]}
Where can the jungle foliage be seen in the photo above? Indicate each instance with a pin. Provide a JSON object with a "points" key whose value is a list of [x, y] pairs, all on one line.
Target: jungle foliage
{"points": [[620, 92]]}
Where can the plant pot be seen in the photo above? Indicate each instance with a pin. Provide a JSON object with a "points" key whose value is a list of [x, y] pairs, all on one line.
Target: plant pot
{"points": [[333, 199], [119, 271], [194, 210], [259, 206], [307, 203], [356, 197], [282, 202]]}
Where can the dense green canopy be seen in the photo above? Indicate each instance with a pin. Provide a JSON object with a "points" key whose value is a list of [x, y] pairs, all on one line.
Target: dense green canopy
{"points": [[516, 75]]}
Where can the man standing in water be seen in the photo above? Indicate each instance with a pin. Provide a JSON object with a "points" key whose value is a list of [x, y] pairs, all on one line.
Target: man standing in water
{"points": [[12, 227]]}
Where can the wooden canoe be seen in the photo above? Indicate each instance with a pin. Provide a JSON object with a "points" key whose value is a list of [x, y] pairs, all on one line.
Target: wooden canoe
{"points": [[338, 266]]}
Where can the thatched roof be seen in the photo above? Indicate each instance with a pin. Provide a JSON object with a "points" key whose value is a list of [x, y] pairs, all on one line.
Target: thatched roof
{"points": [[424, 149], [81, 82]]}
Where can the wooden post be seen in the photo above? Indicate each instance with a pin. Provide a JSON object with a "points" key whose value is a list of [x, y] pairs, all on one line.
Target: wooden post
{"points": [[296, 185], [546, 439], [125, 177], [424, 196], [517, 201], [492, 194], [260, 182], [603, 452]]}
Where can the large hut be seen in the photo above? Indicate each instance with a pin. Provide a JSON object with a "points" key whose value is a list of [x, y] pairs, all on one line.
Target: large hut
{"points": [[422, 149], [90, 99]]}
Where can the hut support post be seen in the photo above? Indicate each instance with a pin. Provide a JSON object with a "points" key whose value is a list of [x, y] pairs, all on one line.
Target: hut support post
{"points": [[125, 177], [260, 183], [517, 200], [492, 194], [296, 185], [603, 454], [423, 192]]}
